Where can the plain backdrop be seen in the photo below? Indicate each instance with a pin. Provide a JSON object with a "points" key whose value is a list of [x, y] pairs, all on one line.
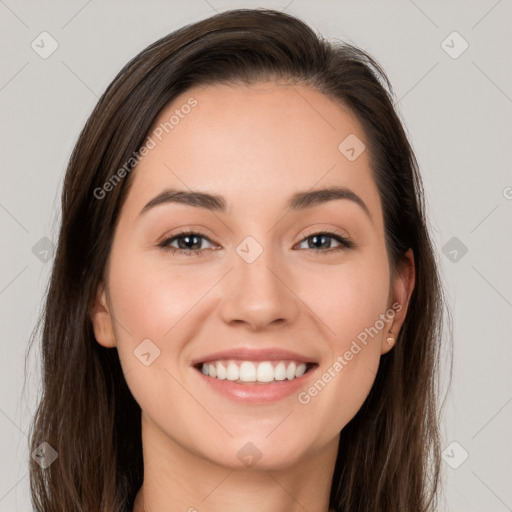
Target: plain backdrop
{"points": [[450, 65]]}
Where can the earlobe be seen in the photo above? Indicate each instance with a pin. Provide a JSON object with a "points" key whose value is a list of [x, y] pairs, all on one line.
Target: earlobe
{"points": [[403, 287], [102, 320]]}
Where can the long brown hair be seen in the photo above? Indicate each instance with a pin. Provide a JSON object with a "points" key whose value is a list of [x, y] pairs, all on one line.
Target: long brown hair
{"points": [[389, 453]]}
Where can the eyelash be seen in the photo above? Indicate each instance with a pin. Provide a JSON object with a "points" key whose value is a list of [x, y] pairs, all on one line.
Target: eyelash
{"points": [[346, 242]]}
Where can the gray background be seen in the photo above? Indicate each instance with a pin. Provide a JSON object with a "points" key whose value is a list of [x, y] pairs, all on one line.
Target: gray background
{"points": [[457, 112]]}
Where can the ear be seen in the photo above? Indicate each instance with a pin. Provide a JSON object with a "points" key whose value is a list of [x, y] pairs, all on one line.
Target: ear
{"points": [[102, 319], [402, 288]]}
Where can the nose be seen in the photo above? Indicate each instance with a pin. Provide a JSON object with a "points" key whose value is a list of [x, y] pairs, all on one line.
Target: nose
{"points": [[260, 294]]}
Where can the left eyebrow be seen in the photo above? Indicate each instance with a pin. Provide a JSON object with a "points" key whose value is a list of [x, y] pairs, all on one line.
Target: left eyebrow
{"points": [[302, 200], [299, 201]]}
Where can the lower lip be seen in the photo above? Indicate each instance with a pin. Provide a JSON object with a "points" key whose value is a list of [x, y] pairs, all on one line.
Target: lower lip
{"points": [[257, 392]]}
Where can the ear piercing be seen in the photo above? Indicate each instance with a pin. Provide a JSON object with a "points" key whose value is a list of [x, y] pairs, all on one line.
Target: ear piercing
{"points": [[390, 340]]}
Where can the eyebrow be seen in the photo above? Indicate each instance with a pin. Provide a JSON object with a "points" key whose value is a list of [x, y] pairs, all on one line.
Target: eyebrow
{"points": [[299, 201]]}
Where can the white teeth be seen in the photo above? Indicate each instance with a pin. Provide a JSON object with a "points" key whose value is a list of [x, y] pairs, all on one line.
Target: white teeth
{"points": [[290, 371], [280, 371], [248, 371], [232, 372], [265, 372], [301, 370], [221, 371]]}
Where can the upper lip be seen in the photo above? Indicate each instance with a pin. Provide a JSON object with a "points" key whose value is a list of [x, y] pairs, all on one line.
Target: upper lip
{"points": [[249, 354]]}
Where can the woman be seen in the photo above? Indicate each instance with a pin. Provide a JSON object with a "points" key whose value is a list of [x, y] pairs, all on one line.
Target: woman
{"points": [[245, 309]]}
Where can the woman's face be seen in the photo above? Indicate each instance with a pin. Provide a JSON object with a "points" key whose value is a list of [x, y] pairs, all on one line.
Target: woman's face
{"points": [[261, 286]]}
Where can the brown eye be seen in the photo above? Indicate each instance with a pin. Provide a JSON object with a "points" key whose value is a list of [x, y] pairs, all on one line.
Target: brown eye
{"points": [[189, 243]]}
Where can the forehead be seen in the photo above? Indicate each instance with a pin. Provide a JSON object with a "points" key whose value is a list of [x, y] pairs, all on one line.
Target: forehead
{"points": [[254, 143]]}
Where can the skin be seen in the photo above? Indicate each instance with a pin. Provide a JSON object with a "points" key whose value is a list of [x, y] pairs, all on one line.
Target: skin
{"points": [[255, 145]]}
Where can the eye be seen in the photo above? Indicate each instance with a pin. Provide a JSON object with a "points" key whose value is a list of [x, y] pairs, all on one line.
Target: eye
{"points": [[189, 243], [320, 240]]}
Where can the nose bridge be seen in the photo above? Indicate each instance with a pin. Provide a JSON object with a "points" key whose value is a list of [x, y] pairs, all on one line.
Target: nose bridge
{"points": [[256, 289]]}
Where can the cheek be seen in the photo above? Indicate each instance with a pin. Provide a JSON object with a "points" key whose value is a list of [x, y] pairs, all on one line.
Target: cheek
{"points": [[350, 301], [151, 297], [154, 301], [348, 298]]}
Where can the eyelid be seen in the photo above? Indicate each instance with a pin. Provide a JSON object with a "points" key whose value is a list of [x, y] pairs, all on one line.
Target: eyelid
{"points": [[309, 231], [317, 230], [197, 229]]}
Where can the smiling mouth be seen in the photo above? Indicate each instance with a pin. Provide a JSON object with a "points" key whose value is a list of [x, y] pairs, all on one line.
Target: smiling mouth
{"points": [[256, 372]]}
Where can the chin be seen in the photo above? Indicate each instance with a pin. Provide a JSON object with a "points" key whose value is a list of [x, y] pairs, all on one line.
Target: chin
{"points": [[257, 455]]}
